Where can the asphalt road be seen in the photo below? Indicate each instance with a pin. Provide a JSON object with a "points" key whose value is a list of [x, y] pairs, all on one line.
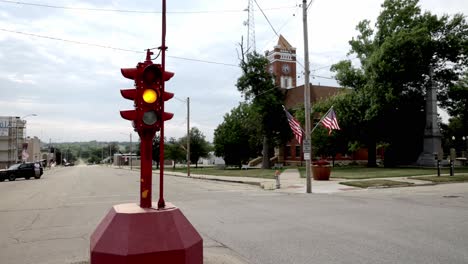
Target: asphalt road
{"points": [[50, 220]]}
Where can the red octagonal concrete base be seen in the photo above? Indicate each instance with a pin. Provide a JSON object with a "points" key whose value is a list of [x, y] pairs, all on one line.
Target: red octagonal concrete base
{"points": [[130, 234]]}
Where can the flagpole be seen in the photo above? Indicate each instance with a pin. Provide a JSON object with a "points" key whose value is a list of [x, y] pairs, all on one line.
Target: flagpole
{"points": [[284, 108], [321, 119]]}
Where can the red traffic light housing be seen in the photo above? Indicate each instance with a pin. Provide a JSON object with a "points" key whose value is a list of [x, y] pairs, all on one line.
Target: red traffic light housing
{"points": [[148, 96]]}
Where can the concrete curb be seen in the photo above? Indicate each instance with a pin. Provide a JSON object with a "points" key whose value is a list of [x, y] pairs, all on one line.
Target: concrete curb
{"points": [[215, 179]]}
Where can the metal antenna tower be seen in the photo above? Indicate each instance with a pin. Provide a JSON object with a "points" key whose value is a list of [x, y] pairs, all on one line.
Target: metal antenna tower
{"points": [[250, 23]]}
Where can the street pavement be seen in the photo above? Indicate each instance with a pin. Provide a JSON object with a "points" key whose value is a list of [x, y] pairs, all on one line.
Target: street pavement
{"points": [[50, 220]]}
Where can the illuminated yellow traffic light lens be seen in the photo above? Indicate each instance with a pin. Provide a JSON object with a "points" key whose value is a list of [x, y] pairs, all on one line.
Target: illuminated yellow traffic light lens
{"points": [[150, 96]]}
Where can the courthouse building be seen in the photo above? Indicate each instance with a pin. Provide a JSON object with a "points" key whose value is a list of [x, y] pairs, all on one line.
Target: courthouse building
{"points": [[283, 66]]}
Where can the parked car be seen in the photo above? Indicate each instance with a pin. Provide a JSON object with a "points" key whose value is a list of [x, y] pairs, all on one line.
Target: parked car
{"points": [[22, 170]]}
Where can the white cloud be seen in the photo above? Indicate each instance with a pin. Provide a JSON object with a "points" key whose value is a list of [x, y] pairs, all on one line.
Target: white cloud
{"points": [[74, 89]]}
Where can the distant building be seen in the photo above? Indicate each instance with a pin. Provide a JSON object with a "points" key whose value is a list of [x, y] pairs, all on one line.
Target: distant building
{"points": [[11, 140], [33, 149], [212, 159], [283, 66]]}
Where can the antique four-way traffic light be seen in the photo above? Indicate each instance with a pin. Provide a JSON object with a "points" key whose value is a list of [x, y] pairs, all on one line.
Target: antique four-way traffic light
{"points": [[148, 95], [148, 116]]}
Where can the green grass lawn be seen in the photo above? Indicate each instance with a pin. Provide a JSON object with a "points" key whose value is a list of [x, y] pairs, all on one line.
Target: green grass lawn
{"points": [[358, 172], [442, 179], [233, 172], [376, 183]]}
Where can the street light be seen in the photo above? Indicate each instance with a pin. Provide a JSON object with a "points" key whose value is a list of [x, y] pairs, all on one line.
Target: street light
{"points": [[131, 155], [16, 130]]}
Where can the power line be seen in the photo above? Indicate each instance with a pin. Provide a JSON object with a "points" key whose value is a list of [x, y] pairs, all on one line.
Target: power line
{"points": [[70, 41], [135, 51], [129, 11], [280, 28], [112, 48], [204, 61], [266, 18], [310, 3]]}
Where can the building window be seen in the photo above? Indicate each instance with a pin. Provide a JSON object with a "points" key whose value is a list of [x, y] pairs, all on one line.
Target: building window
{"points": [[298, 151], [290, 85], [288, 151]]}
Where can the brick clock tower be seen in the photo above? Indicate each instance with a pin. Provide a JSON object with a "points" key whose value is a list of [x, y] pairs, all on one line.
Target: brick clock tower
{"points": [[283, 67], [283, 64]]}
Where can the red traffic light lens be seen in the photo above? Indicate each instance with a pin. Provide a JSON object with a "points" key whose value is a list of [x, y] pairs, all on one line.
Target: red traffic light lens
{"points": [[151, 74]]}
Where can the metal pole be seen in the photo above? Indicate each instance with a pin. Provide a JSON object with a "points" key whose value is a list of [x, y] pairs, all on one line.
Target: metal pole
{"points": [[307, 104], [50, 152], [321, 119], [16, 144], [146, 169], [451, 167], [188, 136], [161, 202], [131, 155]]}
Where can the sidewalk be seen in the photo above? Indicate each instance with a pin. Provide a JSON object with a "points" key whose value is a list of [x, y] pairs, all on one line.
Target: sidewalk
{"points": [[291, 182]]}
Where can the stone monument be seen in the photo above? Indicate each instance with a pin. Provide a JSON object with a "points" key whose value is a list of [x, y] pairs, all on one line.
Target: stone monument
{"points": [[432, 136]]}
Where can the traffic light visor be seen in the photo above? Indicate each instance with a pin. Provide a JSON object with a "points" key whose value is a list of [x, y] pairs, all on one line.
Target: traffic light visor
{"points": [[150, 96]]}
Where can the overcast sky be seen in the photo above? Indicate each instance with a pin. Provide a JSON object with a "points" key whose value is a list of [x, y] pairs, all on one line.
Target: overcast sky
{"points": [[74, 89]]}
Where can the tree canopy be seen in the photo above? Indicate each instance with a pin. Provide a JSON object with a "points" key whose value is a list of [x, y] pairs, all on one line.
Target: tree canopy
{"points": [[396, 58], [238, 138], [199, 147], [258, 87]]}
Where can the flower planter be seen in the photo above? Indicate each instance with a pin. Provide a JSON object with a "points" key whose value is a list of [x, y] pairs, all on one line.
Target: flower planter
{"points": [[321, 170], [321, 173]]}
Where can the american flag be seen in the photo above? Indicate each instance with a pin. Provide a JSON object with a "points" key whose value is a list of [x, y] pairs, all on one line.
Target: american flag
{"points": [[295, 126], [330, 121]]}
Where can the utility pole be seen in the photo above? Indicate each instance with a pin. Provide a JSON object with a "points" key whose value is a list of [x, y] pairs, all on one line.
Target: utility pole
{"points": [[307, 105], [16, 143], [188, 136], [131, 155], [50, 151]]}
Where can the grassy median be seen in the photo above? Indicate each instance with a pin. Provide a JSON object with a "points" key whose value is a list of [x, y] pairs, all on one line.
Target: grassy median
{"points": [[376, 183], [360, 172], [230, 172], [444, 179]]}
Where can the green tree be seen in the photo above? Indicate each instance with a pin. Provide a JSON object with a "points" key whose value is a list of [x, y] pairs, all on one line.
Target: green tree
{"points": [[456, 103], [199, 147], [257, 86], [174, 151], [396, 58], [238, 138], [454, 129]]}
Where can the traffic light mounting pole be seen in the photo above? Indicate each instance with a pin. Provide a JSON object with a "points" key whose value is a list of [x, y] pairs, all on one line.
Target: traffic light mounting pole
{"points": [[161, 202], [146, 168]]}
